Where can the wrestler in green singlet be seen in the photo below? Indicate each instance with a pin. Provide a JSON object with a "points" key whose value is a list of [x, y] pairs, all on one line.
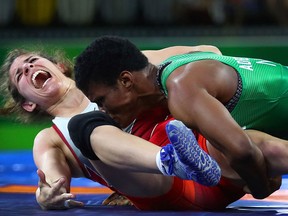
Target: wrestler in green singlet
{"points": [[261, 99]]}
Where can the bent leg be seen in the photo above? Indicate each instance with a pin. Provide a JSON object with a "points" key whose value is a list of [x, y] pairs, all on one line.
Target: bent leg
{"points": [[135, 184], [97, 137], [124, 151]]}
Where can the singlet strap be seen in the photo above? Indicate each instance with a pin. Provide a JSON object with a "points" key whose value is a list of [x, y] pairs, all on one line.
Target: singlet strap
{"points": [[234, 100], [159, 74]]}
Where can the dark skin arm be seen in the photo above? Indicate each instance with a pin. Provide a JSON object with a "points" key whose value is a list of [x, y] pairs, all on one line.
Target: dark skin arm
{"points": [[196, 96]]}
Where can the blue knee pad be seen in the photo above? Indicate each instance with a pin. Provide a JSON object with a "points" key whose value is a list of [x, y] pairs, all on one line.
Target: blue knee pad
{"points": [[81, 126]]}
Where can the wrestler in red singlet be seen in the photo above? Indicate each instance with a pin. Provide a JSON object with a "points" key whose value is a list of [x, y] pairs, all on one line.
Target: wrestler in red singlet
{"points": [[184, 194]]}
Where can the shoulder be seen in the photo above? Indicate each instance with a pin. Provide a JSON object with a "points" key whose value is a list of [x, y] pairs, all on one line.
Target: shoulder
{"points": [[210, 75], [46, 138], [44, 134], [197, 71]]}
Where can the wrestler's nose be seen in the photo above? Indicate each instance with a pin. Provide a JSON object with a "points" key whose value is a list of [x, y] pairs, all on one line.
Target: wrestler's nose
{"points": [[27, 67]]}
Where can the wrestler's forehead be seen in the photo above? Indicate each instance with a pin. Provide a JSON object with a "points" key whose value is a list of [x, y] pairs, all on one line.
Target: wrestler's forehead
{"points": [[20, 59], [17, 63]]}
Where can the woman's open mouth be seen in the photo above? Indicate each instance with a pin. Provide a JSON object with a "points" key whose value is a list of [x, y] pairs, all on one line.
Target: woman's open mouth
{"points": [[40, 78]]}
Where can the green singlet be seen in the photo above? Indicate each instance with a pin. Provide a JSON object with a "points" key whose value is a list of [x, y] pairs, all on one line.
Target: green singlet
{"points": [[262, 100]]}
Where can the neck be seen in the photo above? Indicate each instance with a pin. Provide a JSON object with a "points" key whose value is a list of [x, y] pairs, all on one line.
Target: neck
{"points": [[71, 103], [151, 94]]}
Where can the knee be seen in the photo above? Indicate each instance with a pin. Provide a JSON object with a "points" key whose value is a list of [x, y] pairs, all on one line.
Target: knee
{"points": [[81, 126]]}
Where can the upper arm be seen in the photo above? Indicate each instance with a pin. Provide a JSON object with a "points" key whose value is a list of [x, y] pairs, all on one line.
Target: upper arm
{"points": [[197, 100], [157, 56], [49, 157]]}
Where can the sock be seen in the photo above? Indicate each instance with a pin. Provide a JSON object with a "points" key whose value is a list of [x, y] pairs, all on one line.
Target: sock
{"points": [[160, 165]]}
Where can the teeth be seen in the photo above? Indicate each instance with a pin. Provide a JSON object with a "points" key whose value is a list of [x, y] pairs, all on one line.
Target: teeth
{"points": [[36, 73], [41, 81], [45, 82]]}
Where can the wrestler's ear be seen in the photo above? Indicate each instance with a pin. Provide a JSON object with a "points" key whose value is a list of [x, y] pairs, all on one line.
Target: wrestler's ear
{"points": [[62, 67], [29, 106], [126, 79]]}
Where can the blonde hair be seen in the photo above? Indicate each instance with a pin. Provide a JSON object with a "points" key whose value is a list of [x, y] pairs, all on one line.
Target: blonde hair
{"points": [[12, 99]]}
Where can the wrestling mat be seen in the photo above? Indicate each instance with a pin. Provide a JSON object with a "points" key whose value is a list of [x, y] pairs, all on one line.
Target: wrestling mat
{"points": [[18, 180]]}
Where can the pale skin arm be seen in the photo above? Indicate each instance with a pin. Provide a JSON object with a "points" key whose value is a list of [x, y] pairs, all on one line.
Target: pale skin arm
{"points": [[157, 56], [54, 173], [192, 99]]}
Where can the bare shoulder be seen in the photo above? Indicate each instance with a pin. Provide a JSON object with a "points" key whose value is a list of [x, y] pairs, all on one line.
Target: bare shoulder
{"points": [[46, 138], [213, 76]]}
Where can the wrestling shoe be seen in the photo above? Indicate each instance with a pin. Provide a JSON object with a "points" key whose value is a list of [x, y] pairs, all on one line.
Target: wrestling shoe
{"points": [[185, 159]]}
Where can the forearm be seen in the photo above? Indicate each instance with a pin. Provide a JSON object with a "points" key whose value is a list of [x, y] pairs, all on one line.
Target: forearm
{"points": [[53, 176], [252, 169], [246, 159], [243, 156], [53, 171], [53, 165], [54, 180]]}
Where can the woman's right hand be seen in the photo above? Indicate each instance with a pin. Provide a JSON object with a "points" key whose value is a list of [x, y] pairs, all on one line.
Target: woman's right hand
{"points": [[54, 196]]}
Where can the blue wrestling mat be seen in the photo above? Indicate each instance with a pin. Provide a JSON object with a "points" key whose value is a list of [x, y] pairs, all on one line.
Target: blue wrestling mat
{"points": [[18, 181]]}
